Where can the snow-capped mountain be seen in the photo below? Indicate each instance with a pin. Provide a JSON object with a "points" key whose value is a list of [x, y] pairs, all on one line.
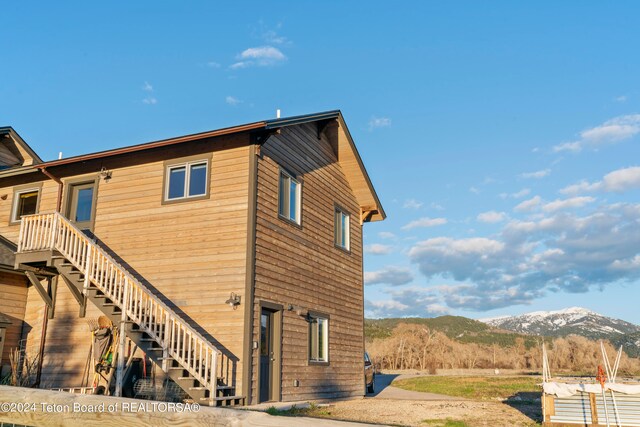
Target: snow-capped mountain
{"points": [[574, 320]]}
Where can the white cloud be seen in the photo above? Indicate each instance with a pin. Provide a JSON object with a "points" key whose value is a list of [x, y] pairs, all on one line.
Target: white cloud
{"points": [[273, 37], [262, 56], [610, 132], [213, 64], [616, 181], [492, 217], [390, 275], [621, 98], [474, 190], [378, 249], [412, 204], [386, 235], [528, 205], [571, 203], [407, 302], [379, 122], [425, 222], [149, 99], [436, 206], [537, 174], [231, 100], [528, 259], [517, 194]]}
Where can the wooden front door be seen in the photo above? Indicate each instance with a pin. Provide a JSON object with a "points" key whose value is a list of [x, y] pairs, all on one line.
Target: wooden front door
{"points": [[267, 354], [81, 205]]}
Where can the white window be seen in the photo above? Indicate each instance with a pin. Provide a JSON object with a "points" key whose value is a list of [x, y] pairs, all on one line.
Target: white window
{"points": [[186, 180], [341, 229], [318, 339], [25, 203], [289, 197]]}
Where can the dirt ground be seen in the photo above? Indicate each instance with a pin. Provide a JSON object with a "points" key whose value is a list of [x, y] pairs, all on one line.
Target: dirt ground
{"points": [[423, 413]]}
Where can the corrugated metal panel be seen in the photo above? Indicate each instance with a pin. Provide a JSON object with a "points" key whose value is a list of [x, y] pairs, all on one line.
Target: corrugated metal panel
{"points": [[577, 410]]}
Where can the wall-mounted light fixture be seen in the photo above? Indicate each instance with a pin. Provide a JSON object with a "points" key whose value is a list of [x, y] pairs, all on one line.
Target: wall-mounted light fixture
{"points": [[105, 174], [233, 301], [299, 310]]}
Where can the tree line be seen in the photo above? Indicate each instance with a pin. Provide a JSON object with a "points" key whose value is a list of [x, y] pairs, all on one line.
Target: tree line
{"points": [[413, 346]]}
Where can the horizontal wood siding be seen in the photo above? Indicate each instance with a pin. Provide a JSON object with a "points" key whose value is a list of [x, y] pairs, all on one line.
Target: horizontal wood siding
{"points": [[13, 297], [302, 267], [192, 254], [67, 342]]}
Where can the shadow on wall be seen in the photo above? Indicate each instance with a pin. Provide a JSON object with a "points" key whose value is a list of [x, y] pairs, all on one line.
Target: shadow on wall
{"points": [[228, 368]]}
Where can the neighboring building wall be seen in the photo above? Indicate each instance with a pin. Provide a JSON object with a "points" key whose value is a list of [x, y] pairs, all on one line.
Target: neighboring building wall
{"points": [[301, 266], [13, 294]]}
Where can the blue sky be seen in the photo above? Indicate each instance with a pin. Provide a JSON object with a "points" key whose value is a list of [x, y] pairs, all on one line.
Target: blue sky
{"points": [[502, 137]]}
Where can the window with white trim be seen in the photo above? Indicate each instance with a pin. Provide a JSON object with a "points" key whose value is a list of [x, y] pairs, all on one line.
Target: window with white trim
{"points": [[318, 338], [341, 229], [186, 180], [25, 203], [289, 197]]}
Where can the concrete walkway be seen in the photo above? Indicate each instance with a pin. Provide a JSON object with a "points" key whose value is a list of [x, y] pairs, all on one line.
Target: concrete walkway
{"points": [[385, 390]]}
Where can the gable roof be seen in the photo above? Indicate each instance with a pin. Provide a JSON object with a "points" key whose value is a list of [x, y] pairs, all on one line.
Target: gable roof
{"points": [[24, 156], [347, 154]]}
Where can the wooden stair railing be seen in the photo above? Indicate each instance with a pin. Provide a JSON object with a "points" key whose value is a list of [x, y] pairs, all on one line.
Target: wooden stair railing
{"points": [[177, 338]]}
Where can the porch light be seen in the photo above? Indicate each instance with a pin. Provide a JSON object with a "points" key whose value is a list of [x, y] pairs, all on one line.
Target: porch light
{"points": [[233, 301]]}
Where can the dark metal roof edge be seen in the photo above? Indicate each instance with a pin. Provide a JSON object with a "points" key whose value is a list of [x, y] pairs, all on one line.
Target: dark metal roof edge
{"points": [[20, 170], [154, 144], [11, 131], [305, 118]]}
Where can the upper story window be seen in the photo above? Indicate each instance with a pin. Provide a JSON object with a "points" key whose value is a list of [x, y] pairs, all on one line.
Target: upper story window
{"points": [[318, 338], [186, 180], [25, 202], [289, 197], [342, 229]]}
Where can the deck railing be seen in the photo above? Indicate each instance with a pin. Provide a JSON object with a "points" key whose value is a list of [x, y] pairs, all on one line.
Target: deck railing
{"points": [[177, 338]]}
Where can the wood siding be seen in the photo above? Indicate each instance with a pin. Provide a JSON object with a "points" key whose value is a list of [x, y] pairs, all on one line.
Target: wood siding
{"points": [[301, 266], [192, 254], [13, 294]]}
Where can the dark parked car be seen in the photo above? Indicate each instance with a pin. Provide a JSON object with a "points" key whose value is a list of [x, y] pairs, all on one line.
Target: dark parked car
{"points": [[369, 374]]}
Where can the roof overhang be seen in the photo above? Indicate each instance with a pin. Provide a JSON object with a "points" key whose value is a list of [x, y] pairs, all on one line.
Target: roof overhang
{"points": [[349, 159], [348, 156], [9, 131]]}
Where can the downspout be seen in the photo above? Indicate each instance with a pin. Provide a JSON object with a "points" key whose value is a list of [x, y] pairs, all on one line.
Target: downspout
{"points": [[60, 186], [45, 317]]}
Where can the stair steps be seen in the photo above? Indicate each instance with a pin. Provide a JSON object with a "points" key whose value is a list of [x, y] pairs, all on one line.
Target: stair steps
{"points": [[189, 359]]}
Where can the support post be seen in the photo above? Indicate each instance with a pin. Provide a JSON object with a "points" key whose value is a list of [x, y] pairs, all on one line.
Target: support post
{"points": [[41, 290], [54, 227], [87, 270], [121, 343]]}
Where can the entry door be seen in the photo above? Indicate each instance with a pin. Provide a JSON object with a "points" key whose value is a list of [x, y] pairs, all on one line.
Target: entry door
{"points": [[267, 355], [81, 200]]}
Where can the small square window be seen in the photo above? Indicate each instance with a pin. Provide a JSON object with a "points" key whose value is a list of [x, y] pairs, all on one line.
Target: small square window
{"points": [[342, 229], [186, 180], [318, 339], [289, 197], [25, 203]]}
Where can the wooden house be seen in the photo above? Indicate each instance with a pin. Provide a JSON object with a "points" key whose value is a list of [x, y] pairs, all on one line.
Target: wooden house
{"points": [[231, 258]]}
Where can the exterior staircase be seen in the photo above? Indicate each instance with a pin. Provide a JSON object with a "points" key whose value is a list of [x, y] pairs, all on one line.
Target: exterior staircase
{"points": [[170, 341]]}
